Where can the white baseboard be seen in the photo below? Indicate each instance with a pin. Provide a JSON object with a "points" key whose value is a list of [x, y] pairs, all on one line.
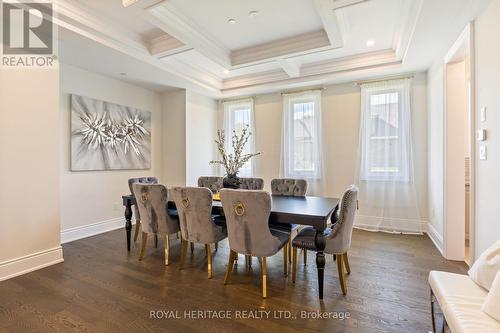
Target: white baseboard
{"points": [[93, 229], [30, 263], [435, 237], [388, 224]]}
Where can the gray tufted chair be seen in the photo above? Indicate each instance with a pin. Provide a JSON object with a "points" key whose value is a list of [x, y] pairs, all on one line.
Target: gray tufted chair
{"points": [[247, 217], [194, 205], [152, 204], [289, 187], [141, 180], [252, 183], [213, 183], [338, 238]]}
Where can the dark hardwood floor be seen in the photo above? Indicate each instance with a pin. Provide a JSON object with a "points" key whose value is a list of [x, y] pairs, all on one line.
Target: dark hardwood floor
{"points": [[102, 288]]}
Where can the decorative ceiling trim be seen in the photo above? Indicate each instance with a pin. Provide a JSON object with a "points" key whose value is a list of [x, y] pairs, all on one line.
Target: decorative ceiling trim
{"points": [[407, 24], [166, 17], [77, 20], [166, 45], [292, 46], [290, 67], [331, 22]]}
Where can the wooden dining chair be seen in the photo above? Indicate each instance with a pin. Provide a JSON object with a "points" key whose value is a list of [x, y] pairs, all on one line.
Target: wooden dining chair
{"points": [[247, 217], [152, 204], [337, 238], [137, 215], [194, 206], [289, 187]]}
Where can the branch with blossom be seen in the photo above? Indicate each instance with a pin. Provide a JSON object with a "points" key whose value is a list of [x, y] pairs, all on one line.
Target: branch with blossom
{"points": [[233, 162]]}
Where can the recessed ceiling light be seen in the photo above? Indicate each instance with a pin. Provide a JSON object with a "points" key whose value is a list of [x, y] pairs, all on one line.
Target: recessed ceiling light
{"points": [[370, 43], [231, 21], [253, 14], [226, 71]]}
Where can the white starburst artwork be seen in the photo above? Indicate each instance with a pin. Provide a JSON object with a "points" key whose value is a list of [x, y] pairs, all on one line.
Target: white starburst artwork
{"points": [[108, 136]]}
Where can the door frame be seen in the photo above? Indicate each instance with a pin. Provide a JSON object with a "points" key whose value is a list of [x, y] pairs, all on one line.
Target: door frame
{"points": [[449, 234]]}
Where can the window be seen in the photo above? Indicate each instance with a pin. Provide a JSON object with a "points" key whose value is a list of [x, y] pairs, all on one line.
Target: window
{"points": [[301, 135], [385, 133], [237, 115]]}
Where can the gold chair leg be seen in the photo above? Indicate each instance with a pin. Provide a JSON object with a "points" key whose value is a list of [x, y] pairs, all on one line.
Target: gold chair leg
{"points": [[346, 263], [305, 257], [143, 246], [290, 250], [192, 247], [264, 278], [285, 260], [137, 228], [340, 267], [209, 260], [167, 248], [294, 263], [184, 247], [230, 264], [156, 240]]}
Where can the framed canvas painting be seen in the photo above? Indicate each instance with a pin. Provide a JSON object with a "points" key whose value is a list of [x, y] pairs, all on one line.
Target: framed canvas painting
{"points": [[108, 136]]}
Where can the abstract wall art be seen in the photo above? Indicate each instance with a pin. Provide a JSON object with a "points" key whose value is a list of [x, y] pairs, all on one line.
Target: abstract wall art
{"points": [[108, 136]]}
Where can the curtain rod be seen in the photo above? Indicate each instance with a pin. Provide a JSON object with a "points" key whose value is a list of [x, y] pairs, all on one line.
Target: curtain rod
{"points": [[235, 99], [386, 78], [301, 91]]}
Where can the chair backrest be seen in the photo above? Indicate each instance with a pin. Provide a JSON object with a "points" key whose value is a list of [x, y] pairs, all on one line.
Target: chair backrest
{"points": [[289, 187], [247, 218], [152, 202], [339, 241], [141, 180], [213, 183], [251, 183], [194, 205]]}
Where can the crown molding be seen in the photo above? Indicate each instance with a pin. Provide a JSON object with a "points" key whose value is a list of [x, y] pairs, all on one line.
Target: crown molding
{"points": [[287, 47], [166, 17], [166, 45], [331, 23], [407, 24], [74, 18], [290, 67]]}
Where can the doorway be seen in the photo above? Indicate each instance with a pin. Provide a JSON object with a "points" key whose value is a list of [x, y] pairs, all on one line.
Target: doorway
{"points": [[459, 150]]}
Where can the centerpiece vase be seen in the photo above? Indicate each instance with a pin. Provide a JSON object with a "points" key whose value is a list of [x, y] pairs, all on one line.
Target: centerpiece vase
{"points": [[231, 181]]}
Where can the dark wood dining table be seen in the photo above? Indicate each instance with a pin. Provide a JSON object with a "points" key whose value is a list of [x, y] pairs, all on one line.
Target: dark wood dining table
{"points": [[308, 211]]}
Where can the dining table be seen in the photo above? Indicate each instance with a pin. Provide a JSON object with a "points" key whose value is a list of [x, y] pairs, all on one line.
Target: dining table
{"points": [[308, 211]]}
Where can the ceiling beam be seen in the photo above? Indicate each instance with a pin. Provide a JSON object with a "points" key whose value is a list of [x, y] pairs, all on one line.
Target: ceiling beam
{"points": [[166, 17], [331, 22], [337, 4], [290, 67]]}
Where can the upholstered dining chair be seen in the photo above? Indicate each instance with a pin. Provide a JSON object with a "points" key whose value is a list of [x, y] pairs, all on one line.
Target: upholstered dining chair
{"points": [[213, 183], [137, 215], [194, 206], [152, 202], [338, 237], [247, 217], [251, 183], [289, 187]]}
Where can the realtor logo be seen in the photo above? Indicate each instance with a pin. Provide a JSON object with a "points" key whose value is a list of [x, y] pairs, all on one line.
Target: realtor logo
{"points": [[27, 34]]}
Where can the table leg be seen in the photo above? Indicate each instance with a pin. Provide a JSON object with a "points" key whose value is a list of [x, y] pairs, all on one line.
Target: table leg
{"points": [[319, 241], [128, 221]]}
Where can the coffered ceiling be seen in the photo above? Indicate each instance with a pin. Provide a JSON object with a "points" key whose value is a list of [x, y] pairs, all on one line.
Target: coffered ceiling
{"points": [[232, 47]]}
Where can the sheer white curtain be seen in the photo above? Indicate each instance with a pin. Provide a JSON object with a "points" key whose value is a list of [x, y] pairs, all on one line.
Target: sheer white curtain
{"points": [[237, 115], [301, 151], [387, 198]]}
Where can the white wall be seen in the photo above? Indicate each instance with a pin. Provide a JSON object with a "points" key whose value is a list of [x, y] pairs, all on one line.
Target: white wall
{"points": [[174, 137], [487, 61], [201, 128], [29, 170], [341, 106], [91, 200], [435, 106]]}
